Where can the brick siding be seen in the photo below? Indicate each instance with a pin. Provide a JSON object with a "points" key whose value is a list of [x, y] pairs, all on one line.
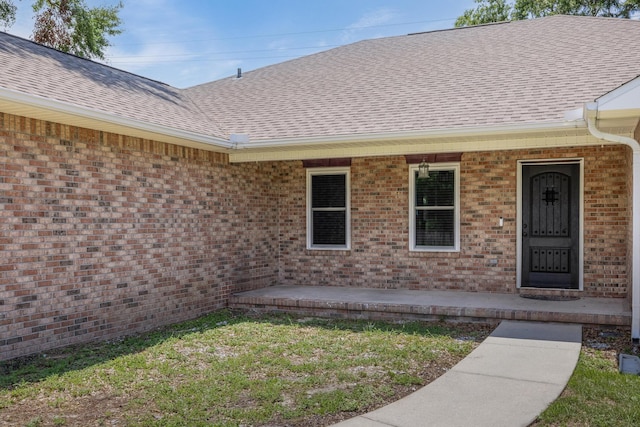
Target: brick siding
{"points": [[380, 256], [103, 235]]}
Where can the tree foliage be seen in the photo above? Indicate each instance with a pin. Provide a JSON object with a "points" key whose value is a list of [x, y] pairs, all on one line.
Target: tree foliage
{"points": [[70, 25], [488, 11], [7, 13]]}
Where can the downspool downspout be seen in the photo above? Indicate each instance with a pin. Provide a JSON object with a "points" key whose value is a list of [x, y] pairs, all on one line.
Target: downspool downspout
{"points": [[591, 111]]}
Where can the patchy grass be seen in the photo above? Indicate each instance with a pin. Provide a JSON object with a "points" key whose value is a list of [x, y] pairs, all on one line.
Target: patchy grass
{"points": [[229, 370], [597, 395], [232, 370]]}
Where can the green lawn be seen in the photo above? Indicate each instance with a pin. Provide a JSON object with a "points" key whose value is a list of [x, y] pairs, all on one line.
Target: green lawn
{"points": [[597, 395], [233, 370], [227, 370]]}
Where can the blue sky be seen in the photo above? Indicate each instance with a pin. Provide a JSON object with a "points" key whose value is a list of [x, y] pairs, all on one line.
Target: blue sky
{"points": [[188, 42]]}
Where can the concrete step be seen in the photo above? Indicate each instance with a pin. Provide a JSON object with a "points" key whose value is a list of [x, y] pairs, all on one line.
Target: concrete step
{"points": [[395, 304]]}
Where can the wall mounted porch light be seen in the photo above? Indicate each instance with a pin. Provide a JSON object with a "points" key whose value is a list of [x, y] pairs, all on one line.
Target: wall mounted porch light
{"points": [[423, 169]]}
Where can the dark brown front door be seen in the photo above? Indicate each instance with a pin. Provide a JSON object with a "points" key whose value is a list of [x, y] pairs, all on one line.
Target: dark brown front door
{"points": [[550, 226]]}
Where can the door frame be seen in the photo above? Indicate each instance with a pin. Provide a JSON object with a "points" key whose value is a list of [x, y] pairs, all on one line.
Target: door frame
{"points": [[543, 162]]}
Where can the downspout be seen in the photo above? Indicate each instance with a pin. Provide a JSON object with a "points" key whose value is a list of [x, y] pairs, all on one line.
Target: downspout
{"points": [[591, 111]]}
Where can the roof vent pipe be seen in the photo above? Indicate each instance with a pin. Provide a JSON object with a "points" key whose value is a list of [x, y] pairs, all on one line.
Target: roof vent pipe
{"points": [[239, 73]]}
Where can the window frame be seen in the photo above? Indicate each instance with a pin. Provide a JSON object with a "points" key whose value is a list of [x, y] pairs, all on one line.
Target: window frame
{"points": [[455, 167], [346, 171]]}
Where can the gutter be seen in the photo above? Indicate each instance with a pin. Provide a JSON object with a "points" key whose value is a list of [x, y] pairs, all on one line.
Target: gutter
{"points": [[591, 112], [524, 128], [91, 114]]}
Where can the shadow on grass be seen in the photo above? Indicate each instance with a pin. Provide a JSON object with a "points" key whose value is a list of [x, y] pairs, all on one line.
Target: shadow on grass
{"points": [[38, 367]]}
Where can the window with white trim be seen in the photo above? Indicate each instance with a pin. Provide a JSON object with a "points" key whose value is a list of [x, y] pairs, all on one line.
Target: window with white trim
{"points": [[434, 208], [328, 208]]}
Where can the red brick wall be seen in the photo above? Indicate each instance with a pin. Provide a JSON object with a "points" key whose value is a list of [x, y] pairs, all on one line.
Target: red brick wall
{"points": [[607, 221], [380, 257], [103, 235]]}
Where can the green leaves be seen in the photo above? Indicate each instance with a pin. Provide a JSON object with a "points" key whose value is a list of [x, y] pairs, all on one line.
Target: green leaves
{"points": [[486, 12], [7, 13], [71, 26], [489, 11], [524, 9]]}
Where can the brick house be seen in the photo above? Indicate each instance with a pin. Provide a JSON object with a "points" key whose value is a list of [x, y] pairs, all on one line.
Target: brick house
{"points": [[492, 159]]}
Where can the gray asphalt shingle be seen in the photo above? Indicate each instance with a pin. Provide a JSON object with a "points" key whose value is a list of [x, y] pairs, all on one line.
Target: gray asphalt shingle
{"points": [[523, 72], [509, 73], [36, 70]]}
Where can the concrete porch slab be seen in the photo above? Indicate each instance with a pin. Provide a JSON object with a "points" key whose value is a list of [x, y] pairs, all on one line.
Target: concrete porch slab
{"points": [[394, 304]]}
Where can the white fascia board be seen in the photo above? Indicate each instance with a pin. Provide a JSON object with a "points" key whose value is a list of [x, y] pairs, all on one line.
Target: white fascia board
{"points": [[426, 134], [87, 113], [394, 148], [502, 137]]}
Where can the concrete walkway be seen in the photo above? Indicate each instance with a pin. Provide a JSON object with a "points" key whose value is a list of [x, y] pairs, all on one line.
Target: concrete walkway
{"points": [[508, 380]]}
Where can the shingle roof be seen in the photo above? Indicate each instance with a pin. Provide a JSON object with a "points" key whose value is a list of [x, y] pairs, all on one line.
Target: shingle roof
{"points": [[33, 69], [509, 73], [523, 72]]}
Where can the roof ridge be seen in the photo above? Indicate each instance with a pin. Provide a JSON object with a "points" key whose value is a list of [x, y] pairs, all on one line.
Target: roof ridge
{"points": [[488, 24], [513, 21]]}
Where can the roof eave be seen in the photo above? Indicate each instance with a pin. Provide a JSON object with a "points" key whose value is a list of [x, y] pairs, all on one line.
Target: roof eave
{"points": [[19, 103], [430, 133], [508, 136]]}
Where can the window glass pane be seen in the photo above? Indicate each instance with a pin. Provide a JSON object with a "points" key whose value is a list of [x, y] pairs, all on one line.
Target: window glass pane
{"points": [[435, 228], [437, 190], [328, 191], [329, 228]]}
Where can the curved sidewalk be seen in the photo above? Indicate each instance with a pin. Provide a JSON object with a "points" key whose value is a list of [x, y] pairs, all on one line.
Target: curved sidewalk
{"points": [[508, 380]]}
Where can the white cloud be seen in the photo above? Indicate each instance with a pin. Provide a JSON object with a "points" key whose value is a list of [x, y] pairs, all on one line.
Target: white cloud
{"points": [[369, 19], [174, 53], [281, 44]]}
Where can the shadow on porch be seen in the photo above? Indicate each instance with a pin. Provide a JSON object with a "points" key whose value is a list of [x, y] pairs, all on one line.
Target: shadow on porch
{"points": [[396, 304]]}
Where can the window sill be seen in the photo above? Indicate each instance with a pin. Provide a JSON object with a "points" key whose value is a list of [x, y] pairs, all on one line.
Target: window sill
{"points": [[419, 253], [334, 251], [434, 250]]}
